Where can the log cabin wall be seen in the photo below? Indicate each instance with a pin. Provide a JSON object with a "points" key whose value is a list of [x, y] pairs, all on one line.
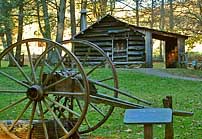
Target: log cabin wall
{"points": [[121, 43]]}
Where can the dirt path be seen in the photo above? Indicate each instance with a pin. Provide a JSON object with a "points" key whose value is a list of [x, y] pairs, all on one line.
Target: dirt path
{"points": [[160, 73]]}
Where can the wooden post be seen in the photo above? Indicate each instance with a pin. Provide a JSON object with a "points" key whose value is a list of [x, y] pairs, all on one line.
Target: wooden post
{"points": [[181, 51], [169, 131], [148, 131], [148, 49]]}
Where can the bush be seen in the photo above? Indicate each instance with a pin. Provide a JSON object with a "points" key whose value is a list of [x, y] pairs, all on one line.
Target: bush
{"points": [[194, 56]]}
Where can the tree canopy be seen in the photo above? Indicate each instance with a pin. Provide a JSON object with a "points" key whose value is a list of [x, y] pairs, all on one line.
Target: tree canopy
{"points": [[56, 18]]}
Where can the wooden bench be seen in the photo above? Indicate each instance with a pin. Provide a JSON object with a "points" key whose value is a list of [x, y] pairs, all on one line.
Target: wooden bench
{"points": [[148, 117]]}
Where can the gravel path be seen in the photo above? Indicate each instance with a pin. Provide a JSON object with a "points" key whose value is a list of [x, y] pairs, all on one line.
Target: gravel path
{"points": [[160, 73]]}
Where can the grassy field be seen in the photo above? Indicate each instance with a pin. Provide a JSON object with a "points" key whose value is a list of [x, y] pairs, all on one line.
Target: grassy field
{"points": [[186, 97]]}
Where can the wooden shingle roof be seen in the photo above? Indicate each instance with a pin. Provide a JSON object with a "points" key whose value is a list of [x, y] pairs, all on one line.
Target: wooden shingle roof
{"points": [[157, 34]]}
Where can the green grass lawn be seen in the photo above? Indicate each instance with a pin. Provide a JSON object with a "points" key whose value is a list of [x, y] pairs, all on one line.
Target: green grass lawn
{"points": [[186, 97]]}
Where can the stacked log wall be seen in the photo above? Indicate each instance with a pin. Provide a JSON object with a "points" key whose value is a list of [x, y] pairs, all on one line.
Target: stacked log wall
{"points": [[100, 34]]}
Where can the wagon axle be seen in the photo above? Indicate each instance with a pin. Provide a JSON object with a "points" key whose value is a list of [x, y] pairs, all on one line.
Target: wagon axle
{"points": [[35, 93]]}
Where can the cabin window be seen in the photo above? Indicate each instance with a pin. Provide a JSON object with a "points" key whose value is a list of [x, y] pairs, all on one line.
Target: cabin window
{"points": [[120, 45]]}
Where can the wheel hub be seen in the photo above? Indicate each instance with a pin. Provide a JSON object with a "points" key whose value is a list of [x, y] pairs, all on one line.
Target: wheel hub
{"points": [[35, 93]]}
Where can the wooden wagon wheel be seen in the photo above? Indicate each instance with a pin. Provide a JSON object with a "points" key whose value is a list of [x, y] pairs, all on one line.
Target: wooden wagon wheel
{"points": [[94, 60], [34, 86]]}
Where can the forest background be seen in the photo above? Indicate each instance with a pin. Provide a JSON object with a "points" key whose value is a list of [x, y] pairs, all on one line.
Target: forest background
{"points": [[60, 19]]}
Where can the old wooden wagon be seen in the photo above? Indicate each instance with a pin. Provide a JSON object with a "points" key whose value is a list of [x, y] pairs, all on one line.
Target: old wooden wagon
{"points": [[127, 44]]}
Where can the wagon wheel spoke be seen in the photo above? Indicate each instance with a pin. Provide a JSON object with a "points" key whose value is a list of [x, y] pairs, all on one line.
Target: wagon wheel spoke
{"points": [[31, 120], [58, 53], [60, 62], [97, 109], [14, 79], [49, 66], [55, 68], [13, 91], [31, 63], [62, 106], [55, 117], [20, 115], [20, 69], [13, 104], [95, 67], [80, 108], [119, 91], [66, 93], [43, 60], [42, 119], [61, 113], [106, 79]]}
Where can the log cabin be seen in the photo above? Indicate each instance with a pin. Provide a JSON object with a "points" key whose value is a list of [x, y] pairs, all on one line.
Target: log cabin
{"points": [[128, 44]]}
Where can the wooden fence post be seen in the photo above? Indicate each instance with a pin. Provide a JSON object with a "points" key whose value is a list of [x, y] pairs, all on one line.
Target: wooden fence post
{"points": [[169, 131]]}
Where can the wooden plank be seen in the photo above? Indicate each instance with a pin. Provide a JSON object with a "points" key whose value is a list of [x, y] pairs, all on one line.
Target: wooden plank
{"points": [[129, 62], [87, 54], [135, 53], [137, 48], [137, 58], [120, 56], [105, 43], [109, 24], [92, 35], [136, 38], [5, 129], [136, 43], [148, 49], [182, 113], [83, 58], [98, 38]]}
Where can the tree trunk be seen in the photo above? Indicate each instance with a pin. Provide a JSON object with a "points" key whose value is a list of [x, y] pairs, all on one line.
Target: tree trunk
{"points": [[20, 30], [162, 22], [103, 7], [137, 12], [73, 20], [3, 40], [46, 19], [112, 6], [8, 25], [61, 19], [152, 14], [171, 20], [72, 17], [162, 15]]}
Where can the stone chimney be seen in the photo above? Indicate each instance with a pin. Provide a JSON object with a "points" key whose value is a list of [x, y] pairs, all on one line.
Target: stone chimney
{"points": [[83, 22]]}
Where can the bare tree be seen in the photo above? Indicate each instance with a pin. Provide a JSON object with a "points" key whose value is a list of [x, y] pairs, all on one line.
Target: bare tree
{"points": [[60, 20], [20, 28], [46, 30], [162, 15], [137, 12], [171, 19], [72, 17]]}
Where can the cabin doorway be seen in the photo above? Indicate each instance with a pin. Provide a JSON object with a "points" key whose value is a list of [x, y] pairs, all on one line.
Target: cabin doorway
{"points": [[158, 55]]}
